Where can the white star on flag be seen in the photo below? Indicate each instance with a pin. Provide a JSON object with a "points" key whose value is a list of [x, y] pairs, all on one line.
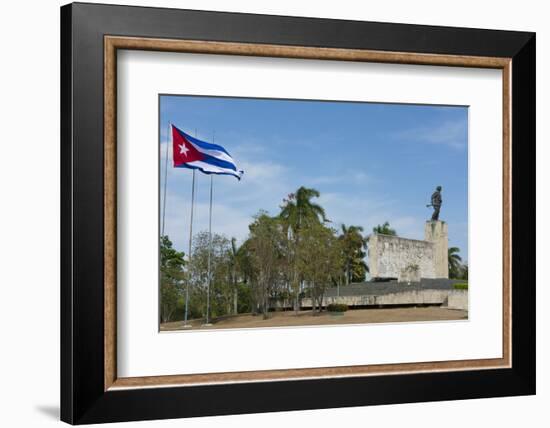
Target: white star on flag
{"points": [[183, 149]]}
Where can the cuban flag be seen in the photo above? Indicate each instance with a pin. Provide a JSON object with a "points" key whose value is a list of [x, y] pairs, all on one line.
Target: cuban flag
{"points": [[209, 158]]}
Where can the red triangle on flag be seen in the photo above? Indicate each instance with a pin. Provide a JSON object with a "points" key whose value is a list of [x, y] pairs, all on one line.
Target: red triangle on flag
{"points": [[183, 150]]}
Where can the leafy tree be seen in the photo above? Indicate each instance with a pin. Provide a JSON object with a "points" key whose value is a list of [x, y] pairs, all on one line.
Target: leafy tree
{"points": [[171, 278], [454, 262], [353, 243], [320, 261], [244, 261], [265, 246], [234, 267], [384, 229], [244, 298], [298, 210], [221, 290]]}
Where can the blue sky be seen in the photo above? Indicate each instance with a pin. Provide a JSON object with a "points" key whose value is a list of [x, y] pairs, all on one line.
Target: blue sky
{"points": [[371, 162]]}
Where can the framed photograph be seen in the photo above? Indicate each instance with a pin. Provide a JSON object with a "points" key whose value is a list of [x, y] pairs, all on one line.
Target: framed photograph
{"points": [[266, 213]]}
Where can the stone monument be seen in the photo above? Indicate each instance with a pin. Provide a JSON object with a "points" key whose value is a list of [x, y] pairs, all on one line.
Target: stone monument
{"points": [[436, 232], [408, 260]]}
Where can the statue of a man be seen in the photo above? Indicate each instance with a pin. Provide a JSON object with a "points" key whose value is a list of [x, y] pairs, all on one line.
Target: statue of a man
{"points": [[436, 203]]}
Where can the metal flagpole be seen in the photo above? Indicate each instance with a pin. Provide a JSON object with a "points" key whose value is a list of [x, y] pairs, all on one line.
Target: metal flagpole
{"points": [[209, 248], [209, 255], [186, 317], [165, 179], [190, 248]]}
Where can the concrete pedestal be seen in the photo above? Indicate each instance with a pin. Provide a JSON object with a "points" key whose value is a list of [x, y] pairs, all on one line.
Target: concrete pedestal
{"points": [[437, 232]]}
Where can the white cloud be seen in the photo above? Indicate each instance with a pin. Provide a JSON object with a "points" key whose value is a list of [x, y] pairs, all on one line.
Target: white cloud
{"points": [[347, 177], [452, 134], [369, 212], [226, 220]]}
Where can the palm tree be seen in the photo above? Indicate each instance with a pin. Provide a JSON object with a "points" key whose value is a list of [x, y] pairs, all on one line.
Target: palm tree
{"points": [[298, 209], [385, 229], [353, 244], [454, 262]]}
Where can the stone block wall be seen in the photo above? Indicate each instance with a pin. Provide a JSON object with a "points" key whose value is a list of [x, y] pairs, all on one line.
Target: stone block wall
{"points": [[396, 257], [390, 255]]}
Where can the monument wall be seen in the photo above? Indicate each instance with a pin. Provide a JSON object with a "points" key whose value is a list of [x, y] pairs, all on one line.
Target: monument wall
{"points": [[390, 255], [403, 258]]}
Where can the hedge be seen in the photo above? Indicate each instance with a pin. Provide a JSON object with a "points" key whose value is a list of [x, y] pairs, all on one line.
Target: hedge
{"points": [[337, 307]]}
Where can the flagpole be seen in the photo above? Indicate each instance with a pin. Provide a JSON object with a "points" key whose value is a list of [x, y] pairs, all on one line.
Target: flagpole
{"points": [[209, 247], [165, 179], [209, 255], [190, 249], [186, 317]]}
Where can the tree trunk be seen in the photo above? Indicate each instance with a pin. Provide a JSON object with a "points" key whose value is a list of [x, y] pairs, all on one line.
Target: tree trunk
{"points": [[265, 306], [297, 296], [235, 303], [313, 299]]}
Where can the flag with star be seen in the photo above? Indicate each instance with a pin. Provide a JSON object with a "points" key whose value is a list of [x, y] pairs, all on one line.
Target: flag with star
{"points": [[209, 158]]}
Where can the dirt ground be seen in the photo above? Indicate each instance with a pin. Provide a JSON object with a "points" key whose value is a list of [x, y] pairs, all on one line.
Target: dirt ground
{"points": [[355, 316]]}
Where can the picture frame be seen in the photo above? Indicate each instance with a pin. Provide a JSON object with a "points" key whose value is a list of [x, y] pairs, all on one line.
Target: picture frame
{"points": [[91, 391]]}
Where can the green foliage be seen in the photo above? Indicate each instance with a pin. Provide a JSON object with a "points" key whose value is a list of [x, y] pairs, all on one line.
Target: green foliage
{"points": [[337, 307], [298, 215], [244, 294], [384, 229], [171, 279], [454, 262], [265, 248], [460, 286], [319, 260], [221, 290], [298, 210], [463, 272], [353, 243]]}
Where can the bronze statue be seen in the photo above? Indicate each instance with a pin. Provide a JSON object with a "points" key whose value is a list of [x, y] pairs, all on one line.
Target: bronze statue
{"points": [[436, 203]]}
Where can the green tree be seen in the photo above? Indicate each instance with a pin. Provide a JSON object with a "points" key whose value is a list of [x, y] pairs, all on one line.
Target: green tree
{"points": [[320, 261], [298, 210], [221, 289], [353, 243], [454, 262], [234, 267], [171, 279], [384, 229], [247, 276], [265, 245]]}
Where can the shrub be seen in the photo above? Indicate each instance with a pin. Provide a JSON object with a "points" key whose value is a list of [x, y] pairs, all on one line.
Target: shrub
{"points": [[337, 307], [460, 286]]}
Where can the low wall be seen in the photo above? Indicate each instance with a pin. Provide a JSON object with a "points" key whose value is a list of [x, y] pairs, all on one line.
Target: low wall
{"points": [[452, 299], [458, 299]]}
